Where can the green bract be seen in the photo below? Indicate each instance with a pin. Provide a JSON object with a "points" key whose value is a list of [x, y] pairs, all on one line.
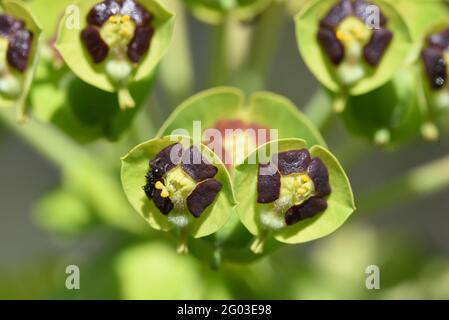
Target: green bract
{"points": [[340, 201], [420, 15], [82, 111], [43, 9], [388, 115], [104, 75], [214, 11], [135, 166], [395, 56], [227, 108], [12, 78]]}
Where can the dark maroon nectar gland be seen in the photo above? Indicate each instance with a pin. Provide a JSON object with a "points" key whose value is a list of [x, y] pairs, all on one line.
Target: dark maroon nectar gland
{"points": [[349, 40], [15, 48], [435, 59], [181, 184], [118, 34], [294, 191]]}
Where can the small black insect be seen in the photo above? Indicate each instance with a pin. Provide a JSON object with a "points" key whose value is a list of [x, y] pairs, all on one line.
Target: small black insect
{"points": [[152, 176]]}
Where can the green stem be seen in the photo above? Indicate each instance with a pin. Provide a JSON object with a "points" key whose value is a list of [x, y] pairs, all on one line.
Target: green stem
{"points": [[219, 65], [176, 71], [99, 185], [266, 36], [422, 181], [319, 109], [259, 58], [125, 100]]}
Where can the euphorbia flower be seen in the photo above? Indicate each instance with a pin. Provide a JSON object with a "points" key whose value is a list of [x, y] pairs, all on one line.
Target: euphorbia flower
{"points": [[389, 115], [120, 42], [291, 192], [352, 46], [183, 183], [215, 11], [435, 66], [19, 38], [296, 188], [175, 184], [233, 128]]}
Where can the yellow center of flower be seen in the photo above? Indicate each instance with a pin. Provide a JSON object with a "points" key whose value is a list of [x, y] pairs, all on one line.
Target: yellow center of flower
{"points": [[352, 29], [118, 31]]}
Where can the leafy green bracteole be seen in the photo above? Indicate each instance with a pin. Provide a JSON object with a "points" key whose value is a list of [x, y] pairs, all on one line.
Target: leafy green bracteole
{"points": [[135, 166], [83, 112], [225, 108], [21, 80], [340, 201], [389, 115]]}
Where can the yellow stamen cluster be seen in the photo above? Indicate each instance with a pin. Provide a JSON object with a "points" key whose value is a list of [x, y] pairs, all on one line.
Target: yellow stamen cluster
{"points": [[160, 186], [352, 29], [300, 184], [119, 19]]}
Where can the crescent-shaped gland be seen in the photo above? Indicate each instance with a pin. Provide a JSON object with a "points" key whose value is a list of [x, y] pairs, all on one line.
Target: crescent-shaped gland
{"points": [[308, 209], [331, 45], [164, 205], [101, 12], [168, 158], [9, 25], [19, 48], [268, 183], [376, 47], [203, 196], [319, 174], [293, 161], [94, 44], [435, 67], [336, 14], [196, 166], [137, 12], [140, 43], [439, 40]]}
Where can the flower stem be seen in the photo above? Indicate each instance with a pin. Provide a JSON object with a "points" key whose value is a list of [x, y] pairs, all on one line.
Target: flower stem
{"points": [[422, 181], [219, 64], [125, 100], [259, 242], [101, 187], [176, 71], [319, 109], [265, 36]]}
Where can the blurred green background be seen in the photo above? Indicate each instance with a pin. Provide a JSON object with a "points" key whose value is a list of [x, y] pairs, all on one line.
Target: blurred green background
{"points": [[409, 242]]}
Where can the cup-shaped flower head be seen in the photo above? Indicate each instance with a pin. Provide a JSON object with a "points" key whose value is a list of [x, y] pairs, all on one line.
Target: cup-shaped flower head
{"points": [[214, 11], [292, 193], [234, 127], [174, 184], [352, 46], [434, 66], [19, 39], [118, 42], [389, 115]]}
